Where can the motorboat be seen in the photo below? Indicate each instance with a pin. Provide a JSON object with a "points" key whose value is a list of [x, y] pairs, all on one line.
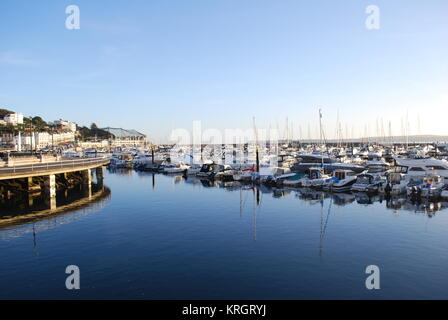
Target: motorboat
{"points": [[422, 167], [431, 187], [179, 168], [377, 165], [341, 181], [367, 182], [208, 170], [308, 161], [315, 179]]}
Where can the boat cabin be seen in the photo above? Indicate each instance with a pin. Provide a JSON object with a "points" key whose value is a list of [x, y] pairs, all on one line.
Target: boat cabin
{"points": [[365, 179], [342, 174], [315, 173]]}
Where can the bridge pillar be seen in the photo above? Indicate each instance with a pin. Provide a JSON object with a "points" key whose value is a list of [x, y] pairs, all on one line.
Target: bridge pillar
{"points": [[29, 184], [86, 176], [50, 190], [30, 198], [99, 174], [100, 177], [87, 181]]}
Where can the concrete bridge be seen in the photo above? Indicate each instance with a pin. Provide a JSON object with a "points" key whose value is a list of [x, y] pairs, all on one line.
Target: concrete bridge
{"points": [[24, 174], [50, 168]]}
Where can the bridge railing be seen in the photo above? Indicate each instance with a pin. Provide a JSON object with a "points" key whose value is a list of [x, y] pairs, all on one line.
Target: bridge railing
{"points": [[72, 163]]}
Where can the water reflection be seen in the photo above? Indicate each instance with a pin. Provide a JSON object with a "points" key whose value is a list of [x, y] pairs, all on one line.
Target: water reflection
{"points": [[303, 243], [36, 213], [309, 196], [325, 201]]}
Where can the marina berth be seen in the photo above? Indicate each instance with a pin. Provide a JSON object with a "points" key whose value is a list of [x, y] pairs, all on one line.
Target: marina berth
{"points": [[393, 171]]}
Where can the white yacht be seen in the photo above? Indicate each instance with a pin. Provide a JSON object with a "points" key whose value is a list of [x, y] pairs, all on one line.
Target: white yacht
{"points": [[341, 181], [367, 182], [179, 168], [420, 168]]}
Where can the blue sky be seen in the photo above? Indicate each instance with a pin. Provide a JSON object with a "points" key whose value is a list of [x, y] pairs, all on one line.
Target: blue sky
{"points": [[158, 65]]}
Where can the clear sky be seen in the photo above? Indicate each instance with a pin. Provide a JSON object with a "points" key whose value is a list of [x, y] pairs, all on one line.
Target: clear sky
{"points": [[160, 64]]}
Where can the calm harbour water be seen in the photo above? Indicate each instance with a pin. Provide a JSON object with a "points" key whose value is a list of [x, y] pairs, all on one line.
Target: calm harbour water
{"points": [[164, 237]]}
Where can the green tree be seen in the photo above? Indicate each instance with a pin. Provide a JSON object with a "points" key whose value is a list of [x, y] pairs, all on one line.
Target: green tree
{"points": [[4, 112], [39, 123]]}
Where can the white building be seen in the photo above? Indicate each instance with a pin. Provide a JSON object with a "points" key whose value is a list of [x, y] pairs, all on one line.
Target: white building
{"points": [[125, 138], [14, 119], [65, 126], [40, 140]]}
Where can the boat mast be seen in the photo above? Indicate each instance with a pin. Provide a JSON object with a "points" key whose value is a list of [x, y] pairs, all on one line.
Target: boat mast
{"points": [[322, 135], [256, 147]]}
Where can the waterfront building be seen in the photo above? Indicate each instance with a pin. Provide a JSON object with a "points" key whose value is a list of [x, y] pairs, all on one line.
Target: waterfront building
{"points": [[46, 139], [13, 118], [125, 138], [64, 126], [94, 144], [6, 140], [35, 140]]}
